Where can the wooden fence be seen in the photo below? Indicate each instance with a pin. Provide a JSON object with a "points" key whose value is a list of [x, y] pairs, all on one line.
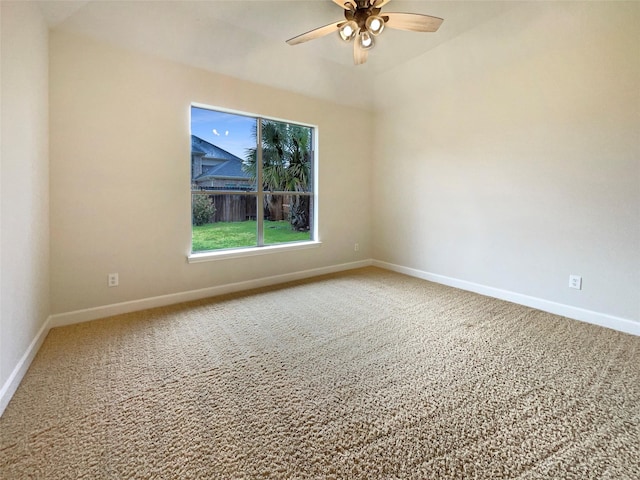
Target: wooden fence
{"points": [[234, 208]]}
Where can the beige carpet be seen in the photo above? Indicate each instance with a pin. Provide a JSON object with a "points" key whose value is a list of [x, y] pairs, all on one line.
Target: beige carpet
{"points": [[361, 375]]}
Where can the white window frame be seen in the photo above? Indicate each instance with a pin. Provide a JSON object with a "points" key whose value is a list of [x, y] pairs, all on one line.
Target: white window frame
{"points": [[260, 249]]}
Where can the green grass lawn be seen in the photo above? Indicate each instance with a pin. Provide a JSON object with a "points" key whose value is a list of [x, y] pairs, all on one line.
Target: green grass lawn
{"points": [[215, 236]]}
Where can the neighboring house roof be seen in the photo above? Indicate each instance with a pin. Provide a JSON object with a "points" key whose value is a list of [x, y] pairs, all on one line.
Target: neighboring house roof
{"points": [[227, 170], [210, 150], [231, 166]]}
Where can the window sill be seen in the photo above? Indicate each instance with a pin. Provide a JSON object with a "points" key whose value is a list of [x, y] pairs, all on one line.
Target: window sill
{"points": [[249, 252]]}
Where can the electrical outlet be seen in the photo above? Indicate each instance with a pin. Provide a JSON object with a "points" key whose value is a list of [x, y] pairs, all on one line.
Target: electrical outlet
{"points": [[575, 281], [112, 280], [356, 247]]}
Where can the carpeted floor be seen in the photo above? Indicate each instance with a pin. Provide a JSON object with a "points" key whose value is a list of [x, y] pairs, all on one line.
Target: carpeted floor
{"points": [[365, 374]]}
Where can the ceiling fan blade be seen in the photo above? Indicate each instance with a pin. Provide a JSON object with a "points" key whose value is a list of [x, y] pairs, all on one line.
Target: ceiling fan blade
{"points": [[345, 4], [414, 22], [316, 33], [360, 55]]}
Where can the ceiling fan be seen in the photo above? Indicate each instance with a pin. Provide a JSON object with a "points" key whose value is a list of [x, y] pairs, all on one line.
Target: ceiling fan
{"points": [[364, 20]]}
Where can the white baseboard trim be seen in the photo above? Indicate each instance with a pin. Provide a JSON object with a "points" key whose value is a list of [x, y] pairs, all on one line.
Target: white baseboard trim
{"points": [[79, 316], [12, 383], [602, 319]]}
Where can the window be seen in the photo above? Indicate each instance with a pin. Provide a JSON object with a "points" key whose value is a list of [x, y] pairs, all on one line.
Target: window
{"points": [[252, 181]]}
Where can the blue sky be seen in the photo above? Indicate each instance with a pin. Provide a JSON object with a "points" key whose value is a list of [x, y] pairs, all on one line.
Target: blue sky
{"points": [[233, 133]]}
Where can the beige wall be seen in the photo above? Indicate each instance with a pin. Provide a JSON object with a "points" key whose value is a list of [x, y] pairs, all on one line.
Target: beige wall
{"points": [[510, 156], [24, 215], [120, 151]]}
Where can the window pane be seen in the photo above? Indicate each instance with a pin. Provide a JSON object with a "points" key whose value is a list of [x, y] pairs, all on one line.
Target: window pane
{"points": [[223, 221], [287, 218], [287, 153], [239, 202], [222, 146]]}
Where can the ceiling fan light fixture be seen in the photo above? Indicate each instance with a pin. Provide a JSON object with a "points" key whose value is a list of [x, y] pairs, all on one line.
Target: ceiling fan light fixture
{"points": [[348, 31], [366, 40], [375, 25], [363, 21]]}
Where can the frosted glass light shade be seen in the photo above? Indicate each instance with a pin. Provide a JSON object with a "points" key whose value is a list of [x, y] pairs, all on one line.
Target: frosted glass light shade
{"points": [[348, 31], [375, 25], [366, 40]]}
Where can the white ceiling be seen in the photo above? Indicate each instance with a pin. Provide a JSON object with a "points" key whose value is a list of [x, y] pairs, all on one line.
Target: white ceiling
{"points": [[246, 38]]}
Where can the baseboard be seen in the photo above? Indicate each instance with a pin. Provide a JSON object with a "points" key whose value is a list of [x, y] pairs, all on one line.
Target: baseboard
{"points": [[596, 318], [79, 316], [12, 383]]}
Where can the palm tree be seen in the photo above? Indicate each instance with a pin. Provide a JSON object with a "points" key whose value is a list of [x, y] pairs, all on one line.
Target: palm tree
{"points": [[286, 166]]}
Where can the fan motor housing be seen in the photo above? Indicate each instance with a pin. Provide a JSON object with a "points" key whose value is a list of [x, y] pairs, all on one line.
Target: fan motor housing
{"points": [[361, 14]]}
